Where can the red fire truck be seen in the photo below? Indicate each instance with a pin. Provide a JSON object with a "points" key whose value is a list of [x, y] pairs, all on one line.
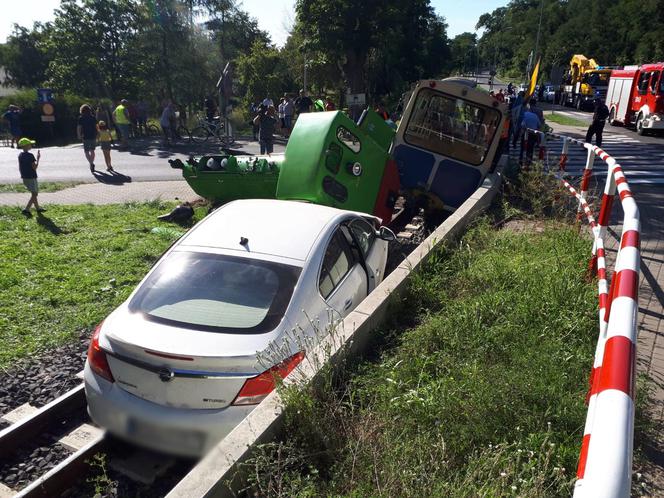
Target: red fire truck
{"points": [[636, 97]]}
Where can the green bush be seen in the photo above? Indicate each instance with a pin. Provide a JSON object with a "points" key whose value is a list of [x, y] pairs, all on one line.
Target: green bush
{"points": [[63, 130]]}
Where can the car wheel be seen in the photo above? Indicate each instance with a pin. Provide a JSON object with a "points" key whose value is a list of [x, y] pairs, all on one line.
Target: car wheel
{"points": [[612, 117], [639, 125]]}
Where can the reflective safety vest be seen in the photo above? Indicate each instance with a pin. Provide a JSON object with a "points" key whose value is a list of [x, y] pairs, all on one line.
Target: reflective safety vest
{"points": [[120, 117]]}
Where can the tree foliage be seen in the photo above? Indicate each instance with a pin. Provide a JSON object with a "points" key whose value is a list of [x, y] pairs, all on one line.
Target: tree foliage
{"points": [[613, 32]]}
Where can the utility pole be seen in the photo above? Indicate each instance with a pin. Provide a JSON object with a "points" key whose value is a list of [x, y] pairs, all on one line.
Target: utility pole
{"points": [[539, 28]]}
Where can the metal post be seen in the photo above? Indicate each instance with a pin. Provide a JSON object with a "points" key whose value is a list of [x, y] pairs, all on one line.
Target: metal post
{"points": [[587, 172], [304, 76]]}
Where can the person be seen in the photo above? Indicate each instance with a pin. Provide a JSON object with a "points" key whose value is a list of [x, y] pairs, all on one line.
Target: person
{"points": [[121, 115], [133, 120], [492, 94], [266, 121], [500, 96], [510, 88], [142, 117], [13, 117], [27, 165], [182, 115], [104, 138], [101, 114], [517, 116], [529, 122], [289, 110], [210, 108], [329, 105], [303, 103], [282, 114], [86, 130], [167, 122], [319, 105], [267, 102], [599, 119], [253, 109], [534, 108], [382, 112]]}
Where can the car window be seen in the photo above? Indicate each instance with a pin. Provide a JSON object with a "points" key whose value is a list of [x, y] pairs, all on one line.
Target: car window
{"points": [[363, 233], [337, 262], [643, 83], [216, 293], [654, 81]]}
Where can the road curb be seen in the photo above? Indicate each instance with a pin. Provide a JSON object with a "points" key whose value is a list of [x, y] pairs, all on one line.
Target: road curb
{"points": [[218, 473]]}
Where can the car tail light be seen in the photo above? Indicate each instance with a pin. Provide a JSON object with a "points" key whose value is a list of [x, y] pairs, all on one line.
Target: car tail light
{"points": [[257, 388], [97, 357]]}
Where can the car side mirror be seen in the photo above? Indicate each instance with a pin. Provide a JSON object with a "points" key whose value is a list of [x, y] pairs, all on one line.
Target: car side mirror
{"points": [[386, 234]]}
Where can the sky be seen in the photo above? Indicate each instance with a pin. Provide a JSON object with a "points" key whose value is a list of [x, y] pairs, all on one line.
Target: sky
{"points": [[274, 16]]}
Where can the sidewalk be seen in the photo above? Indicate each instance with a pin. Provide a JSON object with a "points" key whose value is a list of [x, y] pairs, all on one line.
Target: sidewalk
{"points": [[650, 321], [103, 193]]}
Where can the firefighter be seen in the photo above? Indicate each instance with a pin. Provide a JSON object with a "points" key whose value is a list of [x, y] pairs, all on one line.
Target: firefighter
{"points": [[599, 119]]}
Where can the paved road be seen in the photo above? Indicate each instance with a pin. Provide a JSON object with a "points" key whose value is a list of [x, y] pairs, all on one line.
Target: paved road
{"points": [[145, 161]]}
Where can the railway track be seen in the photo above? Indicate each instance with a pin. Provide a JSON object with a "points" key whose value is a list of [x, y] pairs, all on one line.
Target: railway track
{"points": [[60, 436]]}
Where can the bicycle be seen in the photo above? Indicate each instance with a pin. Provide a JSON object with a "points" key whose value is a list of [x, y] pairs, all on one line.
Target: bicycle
{"points": [[206, 129]]}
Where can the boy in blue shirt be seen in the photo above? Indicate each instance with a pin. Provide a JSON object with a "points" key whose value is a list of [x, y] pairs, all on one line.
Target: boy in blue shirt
{"points": [[27, 165]]}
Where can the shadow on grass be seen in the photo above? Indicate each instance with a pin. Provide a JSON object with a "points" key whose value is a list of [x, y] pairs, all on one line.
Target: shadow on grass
{"points": [[48, 224]]}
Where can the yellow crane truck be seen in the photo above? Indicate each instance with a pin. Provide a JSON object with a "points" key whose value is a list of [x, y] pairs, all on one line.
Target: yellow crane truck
{"points": [[584, 81]]}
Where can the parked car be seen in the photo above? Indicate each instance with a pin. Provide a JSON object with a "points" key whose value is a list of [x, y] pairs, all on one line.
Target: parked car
{"points": [[226, 309], [549, 93]]}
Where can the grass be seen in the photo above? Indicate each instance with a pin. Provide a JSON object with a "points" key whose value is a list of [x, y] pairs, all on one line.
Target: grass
{"points": [[478, 390], [565, 120], [43, 187], [66, 271]]}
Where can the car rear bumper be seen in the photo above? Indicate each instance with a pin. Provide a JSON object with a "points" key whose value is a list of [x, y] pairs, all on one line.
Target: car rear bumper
{"points": [[179, 431]]}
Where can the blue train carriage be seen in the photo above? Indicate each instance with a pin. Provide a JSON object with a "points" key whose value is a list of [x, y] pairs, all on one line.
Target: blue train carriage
{"points": [[446, 140]]}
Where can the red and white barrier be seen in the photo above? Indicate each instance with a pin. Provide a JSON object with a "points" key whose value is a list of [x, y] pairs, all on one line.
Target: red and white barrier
{"points": [[605, 462]]}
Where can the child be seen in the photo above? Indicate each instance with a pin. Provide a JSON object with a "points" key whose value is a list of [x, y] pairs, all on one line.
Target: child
{"points": [[104, 138], [27, 165]]}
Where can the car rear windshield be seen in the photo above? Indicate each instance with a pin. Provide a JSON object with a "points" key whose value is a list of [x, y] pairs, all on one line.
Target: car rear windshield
{"points": [[216, 293]]}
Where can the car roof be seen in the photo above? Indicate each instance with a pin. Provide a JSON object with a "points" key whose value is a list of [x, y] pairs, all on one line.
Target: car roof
{"points": [[286, 229]]}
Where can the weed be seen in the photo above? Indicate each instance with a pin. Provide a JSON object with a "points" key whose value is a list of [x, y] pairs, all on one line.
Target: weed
{"points": [[479, 393], [103, 484]]}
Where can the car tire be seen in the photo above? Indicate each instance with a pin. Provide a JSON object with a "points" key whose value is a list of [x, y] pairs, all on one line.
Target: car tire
{"points": [[639, 125], [612, 117]]}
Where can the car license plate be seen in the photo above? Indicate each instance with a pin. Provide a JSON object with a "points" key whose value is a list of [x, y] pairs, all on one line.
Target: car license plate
{"points": [[168, 436]]}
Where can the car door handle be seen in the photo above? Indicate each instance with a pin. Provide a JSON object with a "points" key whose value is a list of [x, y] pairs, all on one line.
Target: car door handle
{"points": [[348, 304]]}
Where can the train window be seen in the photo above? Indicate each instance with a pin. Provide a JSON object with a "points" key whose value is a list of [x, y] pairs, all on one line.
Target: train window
{"points": [[643, 83], [654, 82], [348, 139], [452, 126]]}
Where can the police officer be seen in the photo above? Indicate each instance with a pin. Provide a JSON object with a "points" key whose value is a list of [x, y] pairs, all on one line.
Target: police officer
{"points": [[599, 119]]}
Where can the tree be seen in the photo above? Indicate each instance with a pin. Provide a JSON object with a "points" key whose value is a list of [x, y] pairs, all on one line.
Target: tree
{"points": [[262, 73], [25, 56], [93, 48], [463, 50]]}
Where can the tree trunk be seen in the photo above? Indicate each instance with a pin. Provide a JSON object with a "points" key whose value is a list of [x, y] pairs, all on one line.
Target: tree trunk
{"points": [[353, 70]]}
